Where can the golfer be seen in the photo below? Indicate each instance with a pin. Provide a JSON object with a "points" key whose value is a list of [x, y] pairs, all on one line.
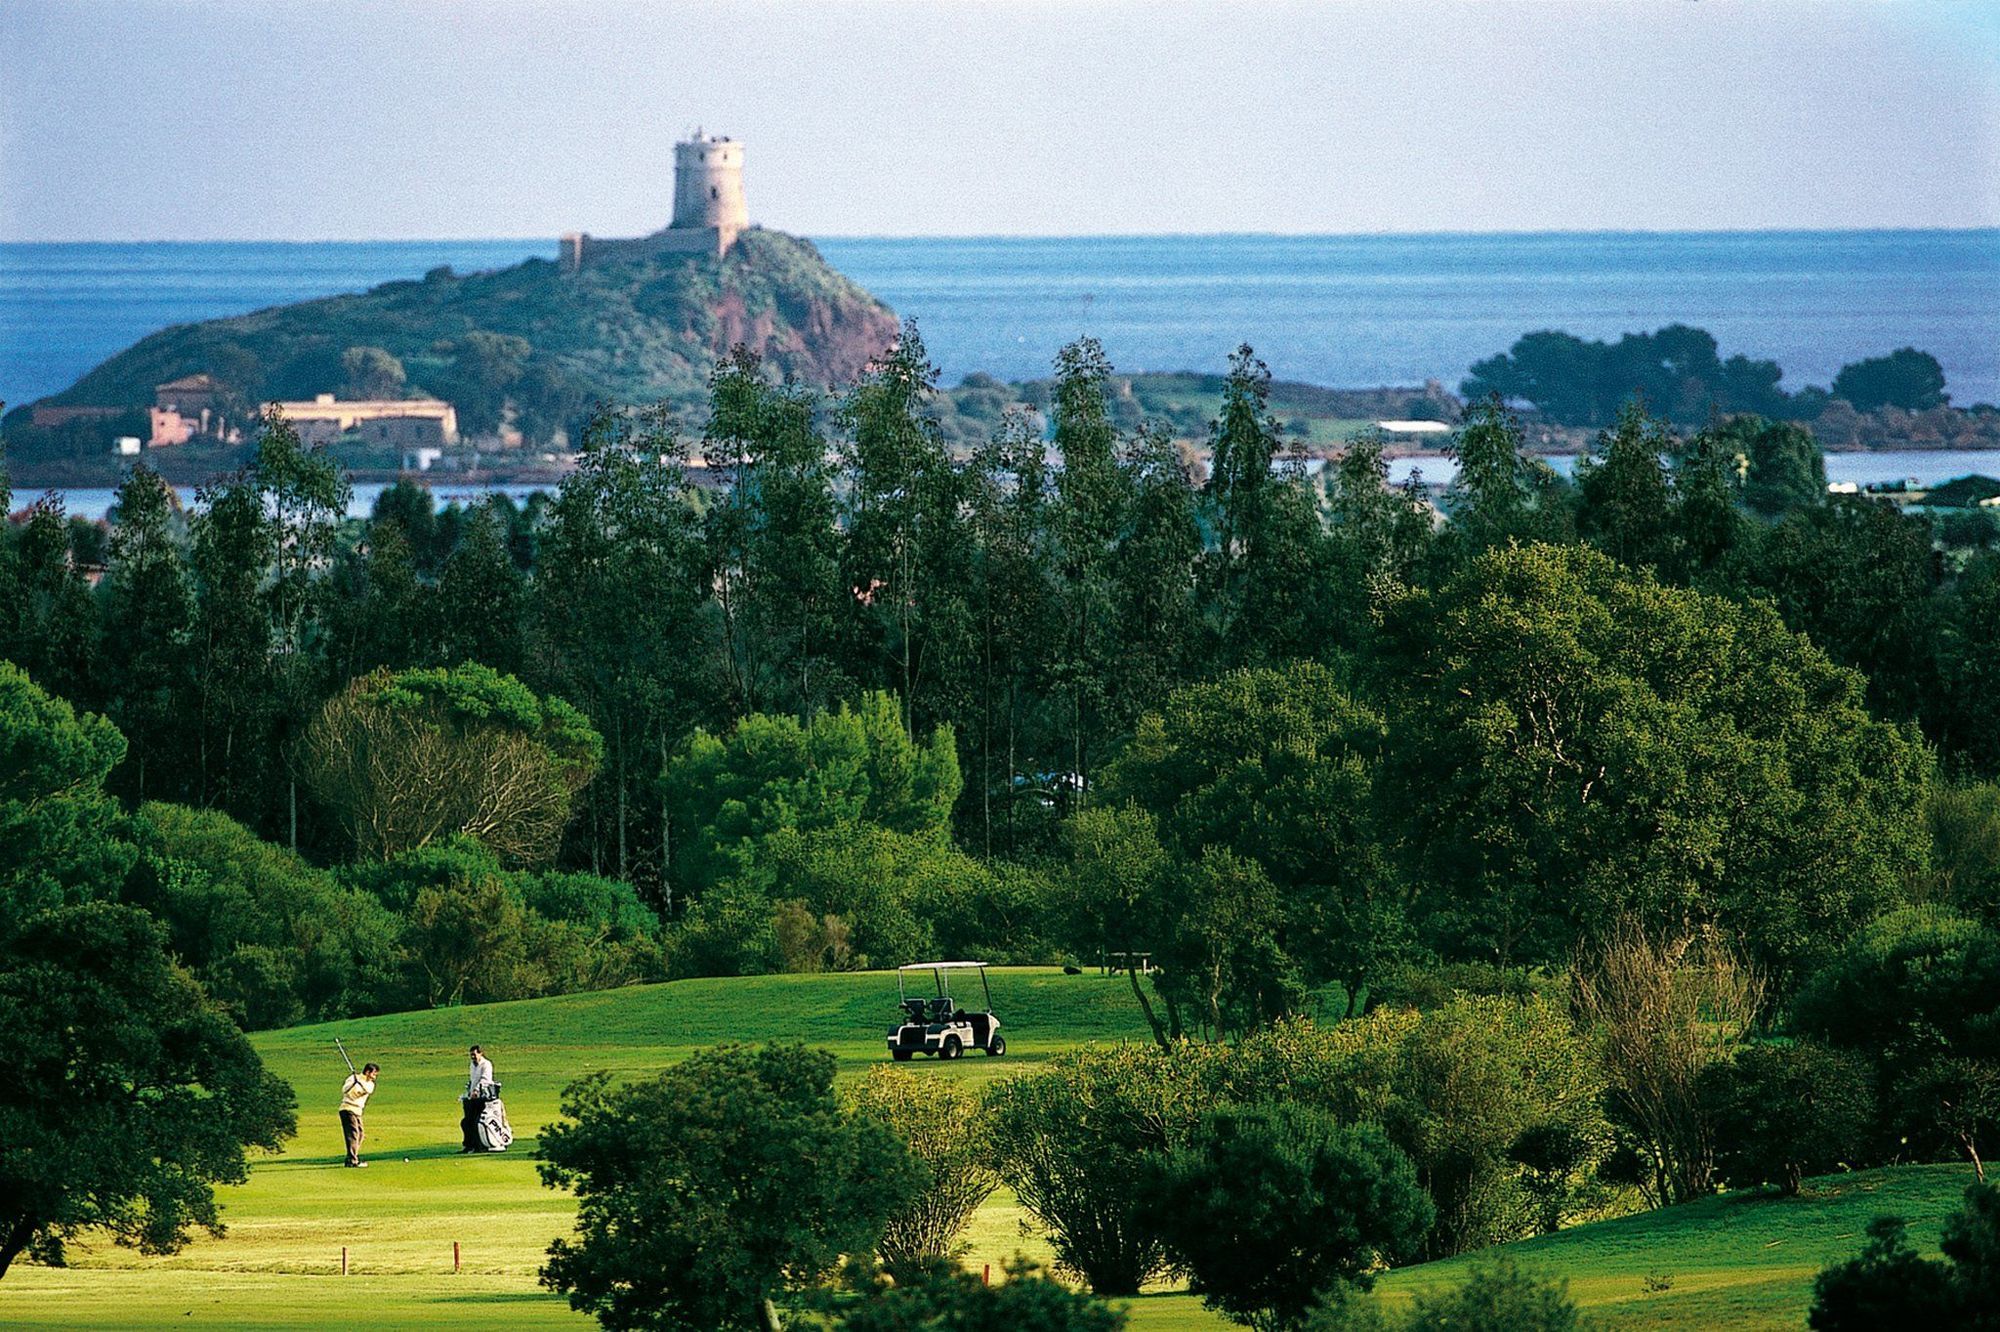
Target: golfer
{"points": [[354, 1096], [478, 1091]]}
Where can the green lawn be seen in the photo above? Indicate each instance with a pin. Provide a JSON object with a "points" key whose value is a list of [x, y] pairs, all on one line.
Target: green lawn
{"points": [[1732, 1262]]}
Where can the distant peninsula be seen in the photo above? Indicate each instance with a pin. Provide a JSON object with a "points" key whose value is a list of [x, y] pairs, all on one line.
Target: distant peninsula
{"points": [[519, 354]]}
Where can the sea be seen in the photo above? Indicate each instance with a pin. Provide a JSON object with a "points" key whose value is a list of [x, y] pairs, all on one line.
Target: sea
{"points": [[1345, 311]]}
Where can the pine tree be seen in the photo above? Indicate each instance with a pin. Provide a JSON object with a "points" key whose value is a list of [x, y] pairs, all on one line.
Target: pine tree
{"points": [[149, 615]]}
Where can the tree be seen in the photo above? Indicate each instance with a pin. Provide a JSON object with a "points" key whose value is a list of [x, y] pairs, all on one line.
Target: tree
{"points": [[1706, 525], [942, 1127], [619, 606], [942, 1300], [1577, 745], [1090, 504], [1013, 608], [1278, 767], [708, 1194], [1858, 579], [128, 1094], [1918, 994], [1073, 1139], [60, 840], [403, 759], [906, 556], [775, 541], [1387, 531], [1782, 1112], [1267, 1206], [1153, 609], [1965, 848], [855, 765], [236, 695], [1906, 378], [54, 619], [1625, 509], [149, 615], [1499, 1298], [370, 372], [480, 597], [1785, 469], [1575, 382]]}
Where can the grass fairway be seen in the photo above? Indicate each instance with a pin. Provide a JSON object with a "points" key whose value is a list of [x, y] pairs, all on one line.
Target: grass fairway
{"points": [[1732, 1262]]}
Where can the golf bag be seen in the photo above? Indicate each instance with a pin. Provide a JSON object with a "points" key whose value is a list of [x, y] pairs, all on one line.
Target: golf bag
{"points": [[490, 1129]]}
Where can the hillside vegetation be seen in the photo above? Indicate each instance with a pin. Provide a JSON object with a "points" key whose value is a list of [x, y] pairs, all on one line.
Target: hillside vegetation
{"points": [[546, 341]]}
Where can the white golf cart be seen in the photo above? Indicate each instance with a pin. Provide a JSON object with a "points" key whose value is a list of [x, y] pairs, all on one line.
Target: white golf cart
{"points": [[934, 1023]]}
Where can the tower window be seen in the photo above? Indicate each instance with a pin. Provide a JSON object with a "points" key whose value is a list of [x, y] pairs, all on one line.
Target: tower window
{"points": [[712, 193]]}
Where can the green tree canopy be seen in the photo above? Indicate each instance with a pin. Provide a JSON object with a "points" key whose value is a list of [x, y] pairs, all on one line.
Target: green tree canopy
{"points": [[1906, 378], [711, 1193], [59, 831], [851, 766], [128, 1095], [1277, 767], [1574, 744]]}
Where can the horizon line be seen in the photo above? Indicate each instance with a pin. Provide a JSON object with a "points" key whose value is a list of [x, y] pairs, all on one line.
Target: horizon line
{"points": [[1435, 233]]}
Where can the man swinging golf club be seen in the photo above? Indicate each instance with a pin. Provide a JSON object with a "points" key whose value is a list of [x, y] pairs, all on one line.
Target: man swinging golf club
{"points": [[354, 1094]]}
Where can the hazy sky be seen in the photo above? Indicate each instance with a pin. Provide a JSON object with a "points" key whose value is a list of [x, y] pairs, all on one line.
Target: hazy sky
{"points": [[142, 119]]}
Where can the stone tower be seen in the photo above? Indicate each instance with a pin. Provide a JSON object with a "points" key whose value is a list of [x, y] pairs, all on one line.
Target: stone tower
{"points": [[708, 186], [709, 212]]}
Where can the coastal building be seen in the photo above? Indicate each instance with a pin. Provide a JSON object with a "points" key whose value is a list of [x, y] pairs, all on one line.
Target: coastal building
{"points": [[407, 423], [709, 209], [185, 408]]}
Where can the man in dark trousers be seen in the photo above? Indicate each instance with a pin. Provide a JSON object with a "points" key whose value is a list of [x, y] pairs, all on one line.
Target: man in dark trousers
{"points": [[478, 1091], [354, 1094]]}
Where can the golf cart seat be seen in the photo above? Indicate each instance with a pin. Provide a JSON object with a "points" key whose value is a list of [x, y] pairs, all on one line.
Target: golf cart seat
{"points": [[915, 1008], [940, 1010]]}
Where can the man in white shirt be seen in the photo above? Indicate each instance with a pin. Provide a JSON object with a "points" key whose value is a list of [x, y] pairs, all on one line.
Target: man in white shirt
{"points": [[354, 1094], [478, 1090]]}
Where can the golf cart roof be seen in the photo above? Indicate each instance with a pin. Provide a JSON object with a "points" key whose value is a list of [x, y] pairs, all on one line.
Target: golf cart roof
{"points": [[938, 966]]}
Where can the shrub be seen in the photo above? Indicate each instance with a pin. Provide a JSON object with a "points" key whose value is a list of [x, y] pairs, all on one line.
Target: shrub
{"points": [[1266, 1206], [948, 1301], [1499, 1298], [725, 1184], [942, 1125], [1887, 1285], [275, 940], [1073, 1140], [1782, 1112]]}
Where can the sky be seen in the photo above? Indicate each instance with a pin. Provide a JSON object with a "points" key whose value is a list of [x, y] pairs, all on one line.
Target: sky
{"points": [[297, 120]]}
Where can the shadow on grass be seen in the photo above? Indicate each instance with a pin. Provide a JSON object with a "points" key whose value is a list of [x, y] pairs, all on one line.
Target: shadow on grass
{"points": [[523, 1147]]}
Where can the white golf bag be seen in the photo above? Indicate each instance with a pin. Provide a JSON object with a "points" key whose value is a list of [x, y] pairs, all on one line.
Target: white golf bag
{"points": [[492, 1129]]}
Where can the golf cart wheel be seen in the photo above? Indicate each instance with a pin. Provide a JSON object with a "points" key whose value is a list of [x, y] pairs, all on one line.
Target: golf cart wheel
{"points": [[952, 1048], [900, 1056], [996, 1047]]}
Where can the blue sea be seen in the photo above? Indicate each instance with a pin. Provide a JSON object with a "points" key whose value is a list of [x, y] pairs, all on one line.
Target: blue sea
{"points": [[1347, 311]]}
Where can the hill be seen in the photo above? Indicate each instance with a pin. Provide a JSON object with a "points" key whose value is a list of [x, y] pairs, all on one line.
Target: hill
{"points": [[1733, 1261], [631, 327]]}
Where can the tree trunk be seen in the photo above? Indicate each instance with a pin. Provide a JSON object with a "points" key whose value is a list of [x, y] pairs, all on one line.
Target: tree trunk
{"points": [[667, 843], [1146, 1006], [18, 1234], [767, 1316]]}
